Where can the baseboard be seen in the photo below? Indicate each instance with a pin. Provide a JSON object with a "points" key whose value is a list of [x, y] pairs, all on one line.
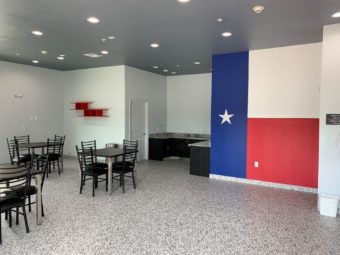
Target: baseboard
{"points": [[263, 183]]}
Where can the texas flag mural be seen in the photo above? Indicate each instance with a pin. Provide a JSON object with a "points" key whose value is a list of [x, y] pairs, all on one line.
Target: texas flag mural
{"points": [[275, 149]]}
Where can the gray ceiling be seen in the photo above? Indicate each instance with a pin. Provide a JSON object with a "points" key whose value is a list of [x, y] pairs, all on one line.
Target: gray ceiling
{"points": [[186, 32]]}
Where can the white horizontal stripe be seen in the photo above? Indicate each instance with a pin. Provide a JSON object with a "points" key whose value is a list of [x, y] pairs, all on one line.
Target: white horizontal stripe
{"points": [[285, 82]]}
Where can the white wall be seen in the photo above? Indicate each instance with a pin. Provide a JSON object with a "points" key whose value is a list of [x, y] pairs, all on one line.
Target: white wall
{"points": [[150, 87], [38, 113], [284, 82], [189, 103], [105, 88], [329, 151]]}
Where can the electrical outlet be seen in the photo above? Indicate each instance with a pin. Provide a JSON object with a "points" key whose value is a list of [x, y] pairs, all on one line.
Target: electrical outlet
{"points": [[256, 164]]}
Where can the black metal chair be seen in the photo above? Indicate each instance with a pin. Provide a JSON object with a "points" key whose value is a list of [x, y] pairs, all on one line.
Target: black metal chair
{"points": [[24, 153], [53, 153], [61, 140], [32, 190], [14, 153], [93, 144], [127, 165], [89, 170], [12, 201]]}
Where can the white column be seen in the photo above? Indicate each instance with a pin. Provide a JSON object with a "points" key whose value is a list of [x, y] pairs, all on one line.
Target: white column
{"points": [[329, 150]]}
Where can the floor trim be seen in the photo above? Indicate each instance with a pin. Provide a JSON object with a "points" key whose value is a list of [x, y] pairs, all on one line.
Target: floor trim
{"points": [[263, 183]]}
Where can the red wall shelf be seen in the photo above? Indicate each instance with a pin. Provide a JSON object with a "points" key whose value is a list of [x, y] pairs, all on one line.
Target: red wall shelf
{"points": [[89, 112]]}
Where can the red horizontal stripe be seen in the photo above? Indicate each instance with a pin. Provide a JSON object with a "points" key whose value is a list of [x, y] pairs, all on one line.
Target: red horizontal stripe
{"points": [[286, 149]]}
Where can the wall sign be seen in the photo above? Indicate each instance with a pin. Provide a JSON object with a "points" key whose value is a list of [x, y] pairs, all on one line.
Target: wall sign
{"points": [[333, 119]]}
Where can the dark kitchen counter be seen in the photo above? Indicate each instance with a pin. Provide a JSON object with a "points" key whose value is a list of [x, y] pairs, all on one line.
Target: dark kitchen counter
{"points": [[164, 145], [168, 135]]}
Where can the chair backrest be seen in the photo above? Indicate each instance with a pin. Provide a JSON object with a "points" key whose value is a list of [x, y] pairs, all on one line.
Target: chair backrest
{"points": [[87, 146], [129, 158], [24, 139], [21, 180], [60, 139], [53, 146], [80, 158], [20, 155], [88, 158], [11, 149]]}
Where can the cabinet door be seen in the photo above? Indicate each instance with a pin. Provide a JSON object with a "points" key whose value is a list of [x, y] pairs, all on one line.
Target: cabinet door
{"points": [[186, 152], [195, 161], [167, 147], [204, 162], [156, 149], [183, 148], [175, 147]]}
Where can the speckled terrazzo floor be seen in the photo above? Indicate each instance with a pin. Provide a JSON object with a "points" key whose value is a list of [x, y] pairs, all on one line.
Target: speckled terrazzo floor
{"points": [[172, 212]]}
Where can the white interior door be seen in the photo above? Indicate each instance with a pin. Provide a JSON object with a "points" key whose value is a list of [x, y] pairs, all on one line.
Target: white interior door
{"points": [[138, 126]]}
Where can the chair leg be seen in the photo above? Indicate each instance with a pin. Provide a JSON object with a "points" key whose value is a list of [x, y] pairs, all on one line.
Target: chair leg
{"points": [[29, 203], [42, 208], [123, 182], [17, 217], [81, 184], [133, 180], [10, 218], [25, 217], [93, 184], [6, 215], [96, 179]]}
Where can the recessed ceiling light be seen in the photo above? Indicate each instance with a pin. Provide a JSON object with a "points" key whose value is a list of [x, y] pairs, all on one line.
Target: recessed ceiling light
{"points": [[93, 20], [173, 72], [111, 37], [258, 9], [177, 65], [35, 61], [183, 1], [104, 52], [62, 55], [165, 70], [219, 20], [155, 67], [60, 58], [17, 54], [154, 45], [37, 33], [104, 39], [44, 52], [336, 15], [92, 55], [226, 34], [197, 63]]}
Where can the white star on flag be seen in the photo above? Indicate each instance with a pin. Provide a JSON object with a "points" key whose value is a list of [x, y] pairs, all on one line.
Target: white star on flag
{"points": [[226, 117]]}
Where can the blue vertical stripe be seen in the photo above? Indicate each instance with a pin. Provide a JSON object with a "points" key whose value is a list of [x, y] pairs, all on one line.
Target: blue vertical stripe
{"points": [[229, 91]]}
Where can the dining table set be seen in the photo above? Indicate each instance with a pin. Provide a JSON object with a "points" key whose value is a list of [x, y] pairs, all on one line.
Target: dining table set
{"points": [[119, 161], [26, 164], [113, 161]]}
